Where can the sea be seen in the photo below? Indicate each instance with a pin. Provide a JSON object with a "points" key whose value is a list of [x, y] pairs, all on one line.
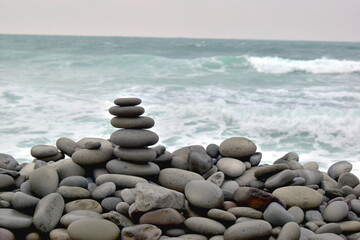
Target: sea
{"points": [[298, 96]]}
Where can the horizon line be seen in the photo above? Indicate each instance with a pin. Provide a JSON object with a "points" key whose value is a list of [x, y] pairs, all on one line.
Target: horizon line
{"points": [[162, 37]]}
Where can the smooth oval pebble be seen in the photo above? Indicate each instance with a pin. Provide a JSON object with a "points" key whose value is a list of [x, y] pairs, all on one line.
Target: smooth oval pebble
{"points": [[66, 145], [280, 179], [231, 167], [21, 200], [204, 226], [221, 215], [338, 168], [130, 101], [73, 216], [290, 231], [59, 234], [6, 234], [74, 181], [248, 230], [48, 212], [93, 229], [336, 211], [204, 194], [246, 212], [129, 111], [176, 179], [133, 138], [165, 216], [103, 190], [303, 197], [6, 181], [43, 151], [137, 122], [70, 192], [237, 147], [43, 175], [120, 180], [92, 156], [12, 219]]}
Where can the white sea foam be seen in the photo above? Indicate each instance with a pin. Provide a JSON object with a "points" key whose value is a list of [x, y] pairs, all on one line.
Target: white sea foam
{"points": [[278, 65]]}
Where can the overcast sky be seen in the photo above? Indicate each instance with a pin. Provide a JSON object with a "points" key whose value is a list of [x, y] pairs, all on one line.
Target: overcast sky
{"points": [[329, 20]]}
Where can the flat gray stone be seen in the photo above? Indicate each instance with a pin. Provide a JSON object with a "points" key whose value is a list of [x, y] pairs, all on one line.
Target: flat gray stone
{"points": [[92, 156], [21, 200], [276, 215], [204, 194], [264, 172], [12, 219], [248, 230], [134, 138], [129, 111], [280, 179], [348, 179], [231, 167], [198, 160], [237, 147], [204, 226], [129, 101], [329, 228], [135, 154], [132, 123], [141, 231], [93, 229], [177, 179], [246, 212], [73, 216], [43, 175], [338, 168], [66, 145], [221, 215], [336, 211], [120, 180], [104, 142], [135, 169], [43, 151], [48, 212]]}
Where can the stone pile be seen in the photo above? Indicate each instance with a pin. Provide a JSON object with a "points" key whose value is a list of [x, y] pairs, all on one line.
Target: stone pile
{"points": [[125, 189]]}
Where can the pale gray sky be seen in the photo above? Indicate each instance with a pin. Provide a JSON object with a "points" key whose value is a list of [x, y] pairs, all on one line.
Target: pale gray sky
{"points": [[329, 20]]}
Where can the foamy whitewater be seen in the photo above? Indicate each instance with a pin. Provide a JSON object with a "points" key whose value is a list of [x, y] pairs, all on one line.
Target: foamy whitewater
{"points": [[285, 96]]}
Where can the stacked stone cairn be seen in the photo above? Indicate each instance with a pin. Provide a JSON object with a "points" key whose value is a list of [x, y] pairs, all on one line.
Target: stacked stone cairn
{"points": [[125, 189]]}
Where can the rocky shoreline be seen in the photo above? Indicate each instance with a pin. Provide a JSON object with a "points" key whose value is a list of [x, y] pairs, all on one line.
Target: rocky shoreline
{"points": [[123, 188]]}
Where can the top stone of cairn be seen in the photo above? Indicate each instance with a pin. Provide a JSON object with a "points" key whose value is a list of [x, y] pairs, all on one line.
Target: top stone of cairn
{"points": [[127, 101]]}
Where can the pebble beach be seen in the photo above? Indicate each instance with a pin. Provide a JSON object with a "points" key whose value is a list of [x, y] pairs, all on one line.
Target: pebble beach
{"points": [[127, 187]]}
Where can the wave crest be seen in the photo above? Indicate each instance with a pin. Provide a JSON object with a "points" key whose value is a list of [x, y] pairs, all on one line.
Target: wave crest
{"points": [[276, 65]]}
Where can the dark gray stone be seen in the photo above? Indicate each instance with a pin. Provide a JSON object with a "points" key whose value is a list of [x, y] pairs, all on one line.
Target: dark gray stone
{"points": [[134, 138], [329, 228], [133, 101], [134, 169], [129, 111], [93, 156], [66, 168], [213, 150], [348, 179], [280, 179], [277, 215], [6, 181], [131, 123], [8, 162], [177, 179], [135, 155], [66, 145], [71, 192], [255, 159], [264, 172], [103, 190], [311, 176], [92, 145], [110, 203], [199, 160], [74, 181], [204, 226], [44, 181]]}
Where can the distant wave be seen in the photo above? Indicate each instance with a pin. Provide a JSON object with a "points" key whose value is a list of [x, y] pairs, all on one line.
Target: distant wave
{"points": [[278, 65]]}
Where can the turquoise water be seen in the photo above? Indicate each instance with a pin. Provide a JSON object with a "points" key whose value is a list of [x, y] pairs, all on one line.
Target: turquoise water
{"points": [[283, 95]]}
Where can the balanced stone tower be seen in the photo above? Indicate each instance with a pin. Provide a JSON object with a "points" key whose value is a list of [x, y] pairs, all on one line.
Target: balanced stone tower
{"points": [[132, 140]]}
